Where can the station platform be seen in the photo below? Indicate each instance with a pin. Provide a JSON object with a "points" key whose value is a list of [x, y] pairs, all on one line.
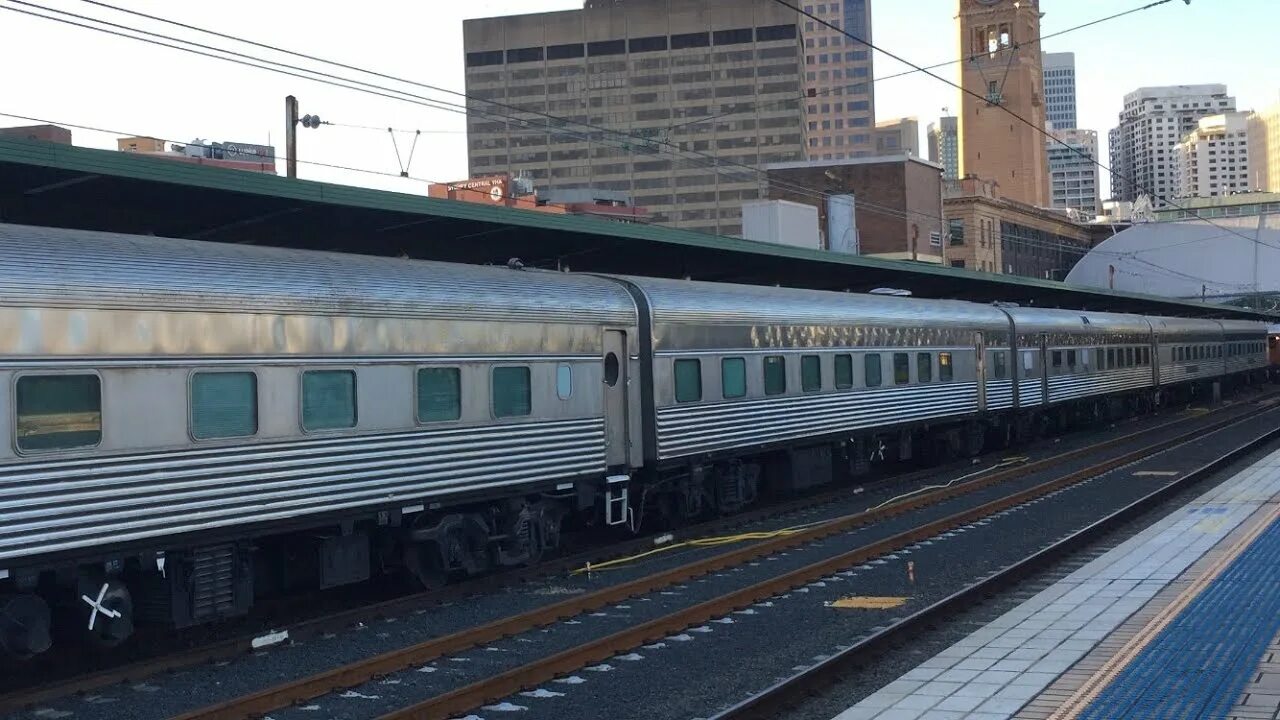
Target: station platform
{"points": [[1180, 621]]}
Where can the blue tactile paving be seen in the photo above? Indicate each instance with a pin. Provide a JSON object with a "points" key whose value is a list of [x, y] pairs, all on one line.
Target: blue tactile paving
{"points": [[1199, 664]]}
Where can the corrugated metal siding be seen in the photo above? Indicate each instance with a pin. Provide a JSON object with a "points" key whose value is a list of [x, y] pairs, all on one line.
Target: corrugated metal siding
{"points": [[1030, 392], [692, 429], [60, 505], [999, 394], [1069, 387]]}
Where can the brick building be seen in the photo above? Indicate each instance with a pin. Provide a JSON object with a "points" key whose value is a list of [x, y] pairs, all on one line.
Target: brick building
{"points": [[897, 201]]}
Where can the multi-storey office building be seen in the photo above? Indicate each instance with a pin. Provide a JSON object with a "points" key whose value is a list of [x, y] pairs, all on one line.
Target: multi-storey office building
{"points": [[674, 101]]}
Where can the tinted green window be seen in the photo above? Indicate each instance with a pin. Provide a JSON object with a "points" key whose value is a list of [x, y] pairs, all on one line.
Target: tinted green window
{"points": [[439, 394], [844, 372], [223, 404], [733, 377], [56, 412], [512, 395], [775, 375], [871, 370], [945, 371], [688, 380], [924, 367], [901, 369], [810, 373], [328, 399], [564, 382], [999, 366]]}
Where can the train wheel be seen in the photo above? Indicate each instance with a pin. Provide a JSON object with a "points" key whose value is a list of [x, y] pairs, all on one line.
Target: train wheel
{"points": [[24, 625], [106, 608]]}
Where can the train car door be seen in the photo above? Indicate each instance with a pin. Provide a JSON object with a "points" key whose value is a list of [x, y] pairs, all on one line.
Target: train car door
{"points": [[1044, 367], [616, 415], [981, 370]]}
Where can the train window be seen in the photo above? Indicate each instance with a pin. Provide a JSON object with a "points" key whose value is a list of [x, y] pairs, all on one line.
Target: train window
{"points": [[901, 369], [1111, 357], [998, 365], [223, 404], [1028, 363], [1071, 359], [1146, 356], [945, 371], [328, 399], [1128, 357], [688, 381], [439, 394], [775, 375], [844, 372], [1057, 359], [871, 370], [1084, 358], [810, 373], [733, 377], [58, 412], [512, 393], [611, 369], [924, 367], [564, 381]]}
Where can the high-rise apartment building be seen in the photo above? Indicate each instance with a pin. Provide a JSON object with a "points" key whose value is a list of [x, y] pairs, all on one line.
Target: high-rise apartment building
{"points": [[1154, 121], [944, 146], [899, 136], [1003, 69], [1060, 89], [644, 97], [1073, 170], [1214, 159], [840, 109], [1264, 149]]}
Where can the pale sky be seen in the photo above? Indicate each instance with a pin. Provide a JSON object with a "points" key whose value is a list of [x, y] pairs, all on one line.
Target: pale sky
{"points": [[71, 75]]}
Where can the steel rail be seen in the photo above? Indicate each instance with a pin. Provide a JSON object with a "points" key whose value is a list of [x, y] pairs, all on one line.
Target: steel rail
{"points": [[774, 700], [310, 687], [507, 683]]}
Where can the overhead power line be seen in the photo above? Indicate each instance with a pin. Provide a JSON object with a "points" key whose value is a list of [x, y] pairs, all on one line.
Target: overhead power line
{"points": [[826, 92], [556, 125], [1011, 113], [627, 140]]}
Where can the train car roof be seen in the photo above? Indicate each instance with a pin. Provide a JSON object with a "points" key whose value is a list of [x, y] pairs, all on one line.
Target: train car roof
{"points": [[691, 302], [1076, 322], [50, 267]]}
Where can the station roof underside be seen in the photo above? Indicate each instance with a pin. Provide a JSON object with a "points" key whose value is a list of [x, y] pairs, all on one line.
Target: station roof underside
{"points": [[62, 186]]}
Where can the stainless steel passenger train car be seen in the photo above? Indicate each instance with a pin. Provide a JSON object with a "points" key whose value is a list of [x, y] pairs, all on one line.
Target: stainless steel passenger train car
{"points": [[190, 425]]}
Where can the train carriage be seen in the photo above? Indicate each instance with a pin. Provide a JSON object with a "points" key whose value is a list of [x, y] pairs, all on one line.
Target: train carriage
{"points": [[1066, 356], [170, 401], [738, 370]]}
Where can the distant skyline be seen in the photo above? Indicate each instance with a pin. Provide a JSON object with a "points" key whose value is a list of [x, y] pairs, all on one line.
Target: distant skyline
{"points": [[104, 81]]}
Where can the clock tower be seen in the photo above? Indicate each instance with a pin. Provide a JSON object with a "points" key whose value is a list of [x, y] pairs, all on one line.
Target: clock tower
{"points": [[1002, 67]]}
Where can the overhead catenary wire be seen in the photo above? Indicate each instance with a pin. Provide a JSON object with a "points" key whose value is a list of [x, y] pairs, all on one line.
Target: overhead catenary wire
{"points": [[1011, 113], [704, 161], [826, 92], [553, 124]]}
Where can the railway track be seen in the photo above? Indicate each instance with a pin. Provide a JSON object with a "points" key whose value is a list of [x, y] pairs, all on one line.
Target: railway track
{"points": [[1064, 470]]}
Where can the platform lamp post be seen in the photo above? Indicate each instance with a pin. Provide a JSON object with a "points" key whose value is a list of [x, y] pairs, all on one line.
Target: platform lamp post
{"points": [[291, 122]]}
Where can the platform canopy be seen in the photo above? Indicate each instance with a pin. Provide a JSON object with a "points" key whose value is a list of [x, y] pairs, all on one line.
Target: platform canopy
{"points": [[63, 186]]}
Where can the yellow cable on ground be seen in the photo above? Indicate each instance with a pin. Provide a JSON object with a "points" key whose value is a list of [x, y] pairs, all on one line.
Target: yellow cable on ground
{"points": [[715, 541]]}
